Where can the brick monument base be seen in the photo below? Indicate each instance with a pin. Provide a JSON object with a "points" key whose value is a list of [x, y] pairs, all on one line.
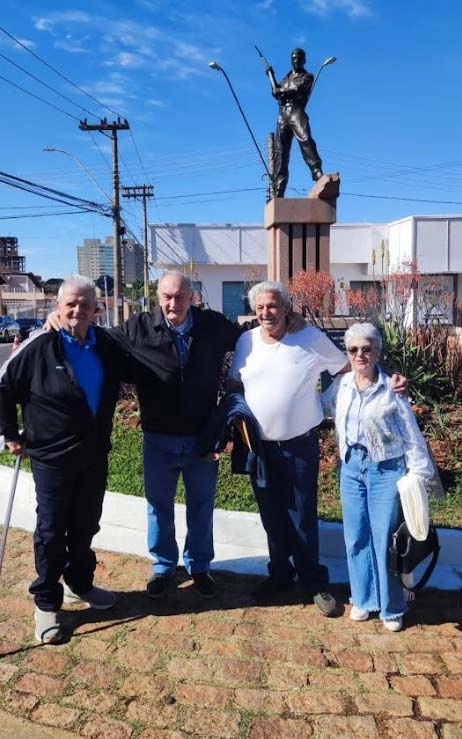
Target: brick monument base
{"points": [[298, 230]]}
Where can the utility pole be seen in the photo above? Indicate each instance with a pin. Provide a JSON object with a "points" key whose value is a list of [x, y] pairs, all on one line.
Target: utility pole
{"points": [[142, 192], [118, 125]]}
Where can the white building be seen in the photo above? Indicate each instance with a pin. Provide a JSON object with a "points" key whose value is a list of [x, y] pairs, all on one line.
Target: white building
{"points": [[223, 259], [96, 258]]}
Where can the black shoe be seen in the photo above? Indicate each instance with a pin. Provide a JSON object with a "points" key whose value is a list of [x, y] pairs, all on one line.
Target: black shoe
{"points": [[317, 174], [326, 603], [158, 584], [270, 588], [205, 584]]}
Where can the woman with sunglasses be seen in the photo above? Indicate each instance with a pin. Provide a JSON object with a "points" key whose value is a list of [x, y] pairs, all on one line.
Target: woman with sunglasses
{"points": [[379, 441]]}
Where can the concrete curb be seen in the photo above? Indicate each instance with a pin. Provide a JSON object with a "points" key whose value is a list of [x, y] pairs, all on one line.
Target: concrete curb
{"points": [[240, 541]]}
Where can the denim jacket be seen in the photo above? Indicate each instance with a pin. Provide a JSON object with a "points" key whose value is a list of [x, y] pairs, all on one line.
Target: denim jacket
{"points": [[387, 421]]}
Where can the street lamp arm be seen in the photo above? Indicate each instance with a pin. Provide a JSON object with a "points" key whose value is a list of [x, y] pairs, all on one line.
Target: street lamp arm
{"points": [[79, 164], [326, 62], [216, 66]]}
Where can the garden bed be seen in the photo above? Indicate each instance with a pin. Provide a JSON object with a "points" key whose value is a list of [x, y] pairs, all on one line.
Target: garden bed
{"points": [[442, 427]]}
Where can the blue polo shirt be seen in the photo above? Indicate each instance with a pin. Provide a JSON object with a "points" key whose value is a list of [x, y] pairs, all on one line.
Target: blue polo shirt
{"points": [[86, 364]]}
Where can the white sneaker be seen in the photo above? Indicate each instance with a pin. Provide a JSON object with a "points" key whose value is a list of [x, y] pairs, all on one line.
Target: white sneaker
{"points": [[358, 614], [96, 598], [47, 626], [393, 624]]}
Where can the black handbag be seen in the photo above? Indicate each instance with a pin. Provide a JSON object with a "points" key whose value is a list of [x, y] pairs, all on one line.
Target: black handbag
{"points": [[405, 553]]}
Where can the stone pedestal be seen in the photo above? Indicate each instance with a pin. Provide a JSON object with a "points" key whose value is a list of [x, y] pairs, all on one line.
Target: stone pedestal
{"points": [[298, 230]]}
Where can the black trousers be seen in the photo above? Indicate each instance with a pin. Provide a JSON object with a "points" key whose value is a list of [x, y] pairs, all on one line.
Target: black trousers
{"points": [[293, 122], [69, 506]]}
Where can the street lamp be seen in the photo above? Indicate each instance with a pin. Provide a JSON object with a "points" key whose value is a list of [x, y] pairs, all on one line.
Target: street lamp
{"points": [[82, 167], [326, 62], [216, 66], [116, 218]]}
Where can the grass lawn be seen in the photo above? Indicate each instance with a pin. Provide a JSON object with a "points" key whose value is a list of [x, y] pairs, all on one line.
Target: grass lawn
{"points": [[443, 431]]}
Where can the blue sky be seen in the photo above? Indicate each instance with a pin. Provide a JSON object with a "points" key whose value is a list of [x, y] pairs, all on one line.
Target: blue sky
{"points": [[386, 115]]}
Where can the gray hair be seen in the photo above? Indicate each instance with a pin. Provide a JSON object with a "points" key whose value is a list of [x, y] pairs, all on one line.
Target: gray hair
{"points": [[185, 281], [81, 281], [270, 286], [364, 331]]}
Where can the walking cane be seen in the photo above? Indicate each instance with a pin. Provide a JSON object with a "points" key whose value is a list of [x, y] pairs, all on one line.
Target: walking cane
{"points": [[6, 523]]}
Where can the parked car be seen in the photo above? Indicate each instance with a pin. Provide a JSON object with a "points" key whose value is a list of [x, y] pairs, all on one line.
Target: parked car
{"points": [[9, 328], [26, 325]]}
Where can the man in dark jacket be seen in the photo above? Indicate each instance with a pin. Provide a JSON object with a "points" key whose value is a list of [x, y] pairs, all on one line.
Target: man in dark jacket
{"points": [[177, 353], [67, 385]]}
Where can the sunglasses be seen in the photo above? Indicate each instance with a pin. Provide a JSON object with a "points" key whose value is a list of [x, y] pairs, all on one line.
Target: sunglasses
{"points": [[361, 349]]}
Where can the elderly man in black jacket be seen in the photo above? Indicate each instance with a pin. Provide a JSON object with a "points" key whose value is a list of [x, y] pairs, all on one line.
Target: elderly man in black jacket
{"points": [[177, 353], [67, 385]]}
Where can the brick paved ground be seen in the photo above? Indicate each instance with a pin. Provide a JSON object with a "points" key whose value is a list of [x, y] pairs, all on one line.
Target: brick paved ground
{"points": [[185, 668]]}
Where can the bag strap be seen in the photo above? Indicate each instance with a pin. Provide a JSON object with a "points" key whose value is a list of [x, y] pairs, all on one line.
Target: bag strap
{"points": [[426, 575]]}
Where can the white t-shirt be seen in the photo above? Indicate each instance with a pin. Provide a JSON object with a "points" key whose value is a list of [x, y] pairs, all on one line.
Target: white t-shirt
{"points": [[280, 380]]}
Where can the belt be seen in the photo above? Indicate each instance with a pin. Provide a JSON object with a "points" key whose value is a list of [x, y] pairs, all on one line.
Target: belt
{"points": [[285, 441]]}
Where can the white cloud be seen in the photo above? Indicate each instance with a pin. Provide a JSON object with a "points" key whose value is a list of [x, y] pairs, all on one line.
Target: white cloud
{"points": [[266, 5], [28, 44], [127, 60], [189, 51], [47, 23], [124, 44], [71, 46], [155, 103], [352, 8]]}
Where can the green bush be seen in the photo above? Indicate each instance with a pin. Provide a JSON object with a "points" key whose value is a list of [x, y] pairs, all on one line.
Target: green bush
{"points": [[421, 355], [234, 492]]}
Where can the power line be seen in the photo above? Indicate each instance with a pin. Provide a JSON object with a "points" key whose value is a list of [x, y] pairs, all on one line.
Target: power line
{"points": [[395, 197], [44, 215], [37, 97], [50, 194], [139, 157], [56, 71], [37, 79], [213, 192], [69, 81]]}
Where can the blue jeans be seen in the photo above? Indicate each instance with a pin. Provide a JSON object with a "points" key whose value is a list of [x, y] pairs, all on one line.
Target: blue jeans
{"points": [[164, 457], [288, 509], [371, 513], [69, 506]]}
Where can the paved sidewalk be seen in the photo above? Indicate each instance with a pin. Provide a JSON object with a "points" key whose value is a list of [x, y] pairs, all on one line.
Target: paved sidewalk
{"points": [[185, 668]]}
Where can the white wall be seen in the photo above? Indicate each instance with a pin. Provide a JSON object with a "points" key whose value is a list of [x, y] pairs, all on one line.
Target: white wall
{"points": [[230, 252], [352, 243], [179, 244], [401, 242]]}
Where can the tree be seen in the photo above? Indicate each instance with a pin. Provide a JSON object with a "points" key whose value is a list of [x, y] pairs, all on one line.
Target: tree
{"points": [[314, 294]]}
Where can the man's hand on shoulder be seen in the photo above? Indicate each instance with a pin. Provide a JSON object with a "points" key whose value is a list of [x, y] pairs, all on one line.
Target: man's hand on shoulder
{"points": [[399, 383], [295, 322], [53, 322]]}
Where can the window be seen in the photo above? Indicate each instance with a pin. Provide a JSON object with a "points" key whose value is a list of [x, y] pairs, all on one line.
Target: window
{"points": [[235, 301]]}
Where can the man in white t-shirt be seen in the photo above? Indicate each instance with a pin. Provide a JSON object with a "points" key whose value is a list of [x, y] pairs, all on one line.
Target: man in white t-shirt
{"points": [[279, 373]]}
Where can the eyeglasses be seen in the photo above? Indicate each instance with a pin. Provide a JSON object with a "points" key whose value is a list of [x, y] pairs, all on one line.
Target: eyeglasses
{"points": [[361, 349]]}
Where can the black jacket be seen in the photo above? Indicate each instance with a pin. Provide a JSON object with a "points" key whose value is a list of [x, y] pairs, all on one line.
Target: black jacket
{"points": [[220, 429], [174, 400], [59, 427]]}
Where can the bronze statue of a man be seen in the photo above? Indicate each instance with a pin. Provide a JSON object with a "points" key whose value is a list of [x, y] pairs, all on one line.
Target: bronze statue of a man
{"points": [[292, 94]]}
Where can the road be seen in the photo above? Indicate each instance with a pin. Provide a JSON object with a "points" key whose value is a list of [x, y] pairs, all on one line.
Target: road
{"points": [[5, 351]]}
